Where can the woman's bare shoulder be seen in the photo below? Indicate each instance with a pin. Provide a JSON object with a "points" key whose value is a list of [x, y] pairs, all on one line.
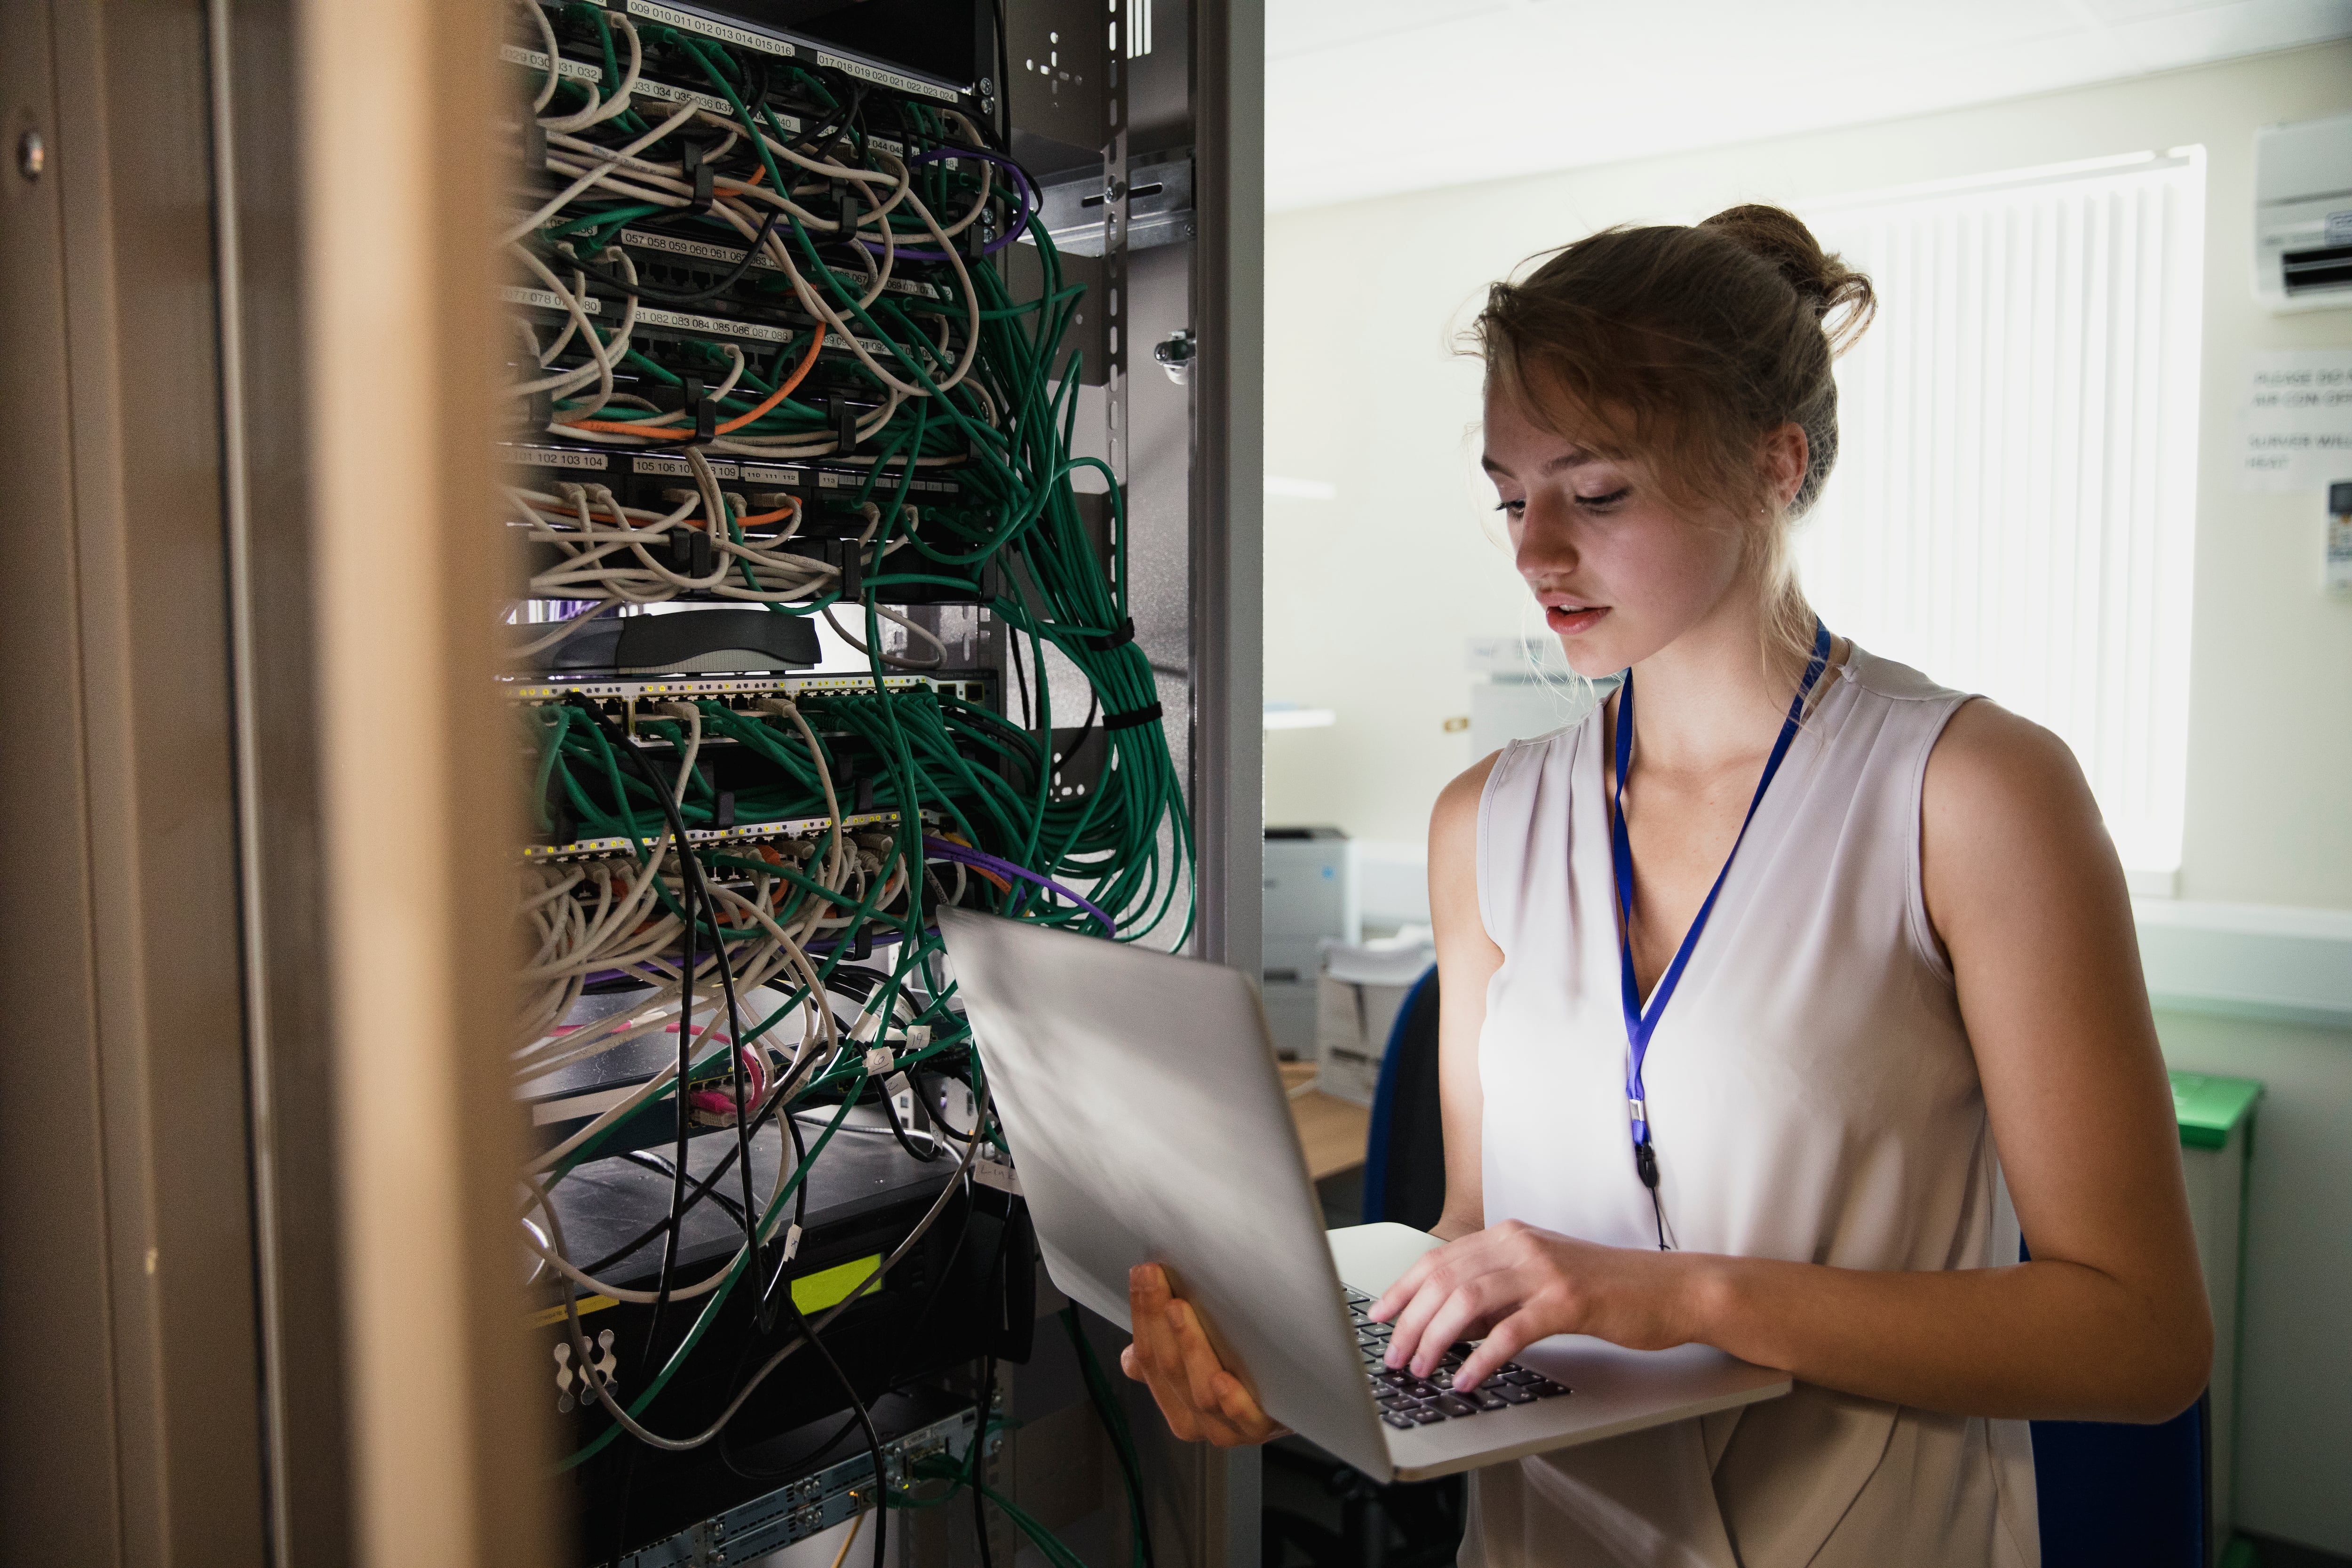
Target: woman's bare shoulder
{"points": [[2008, 822], [1455, 816]]}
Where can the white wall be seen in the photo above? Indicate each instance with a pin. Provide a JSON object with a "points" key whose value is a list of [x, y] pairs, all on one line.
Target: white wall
{"points": [[1370, 597]]}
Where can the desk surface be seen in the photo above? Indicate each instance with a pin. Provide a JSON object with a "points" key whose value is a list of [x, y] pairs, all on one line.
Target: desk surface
{"points": [[1333, 1131]]}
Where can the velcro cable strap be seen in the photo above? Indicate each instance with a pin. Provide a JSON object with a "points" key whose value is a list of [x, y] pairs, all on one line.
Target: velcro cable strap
{"points": [[1119, 638], [1129, 721]]}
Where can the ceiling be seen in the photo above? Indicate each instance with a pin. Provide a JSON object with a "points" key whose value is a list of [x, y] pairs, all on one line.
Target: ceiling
{"points": [[1479, 90]]}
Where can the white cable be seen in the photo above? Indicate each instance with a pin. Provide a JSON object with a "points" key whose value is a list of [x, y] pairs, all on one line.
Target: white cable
{"points": [[564, 198]]}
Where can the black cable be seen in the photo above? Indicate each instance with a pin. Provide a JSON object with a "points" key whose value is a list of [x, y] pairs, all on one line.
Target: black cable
{"points": [[939, 1123], [799, 1464], [692, 888], [691, 871], [799, 1209], [864, 1420], [898, 1130], [736, 1047], [615, 736], [675, 297], [979, 1445], [1021, 680], [652, 1161], [702, 1190]]}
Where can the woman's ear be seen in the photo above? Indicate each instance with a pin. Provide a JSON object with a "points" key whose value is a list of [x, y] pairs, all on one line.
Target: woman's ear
{"points": [[1783, 455]]}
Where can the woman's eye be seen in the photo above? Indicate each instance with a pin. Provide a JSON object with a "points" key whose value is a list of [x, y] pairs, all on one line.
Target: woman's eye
{"points": [[1513, 507], [1603, 503]]}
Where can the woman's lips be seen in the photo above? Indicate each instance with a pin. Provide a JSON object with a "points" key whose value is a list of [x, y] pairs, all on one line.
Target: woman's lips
{"points": [[1569, 622]]}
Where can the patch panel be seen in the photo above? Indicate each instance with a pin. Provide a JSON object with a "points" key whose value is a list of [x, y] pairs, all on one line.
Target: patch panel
{"points": [[807, 828]]}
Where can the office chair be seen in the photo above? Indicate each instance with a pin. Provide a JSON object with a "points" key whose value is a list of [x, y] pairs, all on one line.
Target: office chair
{"points": [[2112, 1493], [1404, 1155]]}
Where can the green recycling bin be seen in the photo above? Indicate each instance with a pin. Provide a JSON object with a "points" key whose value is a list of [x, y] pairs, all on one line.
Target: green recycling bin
{"points": [[2216, 1116]]}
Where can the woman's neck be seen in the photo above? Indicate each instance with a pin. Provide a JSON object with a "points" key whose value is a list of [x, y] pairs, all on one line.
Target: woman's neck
{"points": [[1708, 700]]}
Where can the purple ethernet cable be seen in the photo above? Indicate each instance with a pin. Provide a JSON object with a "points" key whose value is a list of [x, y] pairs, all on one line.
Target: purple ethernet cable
{"points": [[1020, 221], [986, 862]]}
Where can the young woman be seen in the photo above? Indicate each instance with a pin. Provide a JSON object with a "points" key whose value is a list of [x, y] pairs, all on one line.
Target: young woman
{"points": [[1767, 990]]}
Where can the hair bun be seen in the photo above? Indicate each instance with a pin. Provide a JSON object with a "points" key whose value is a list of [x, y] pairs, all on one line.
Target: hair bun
{"points": [[1778, 236]]}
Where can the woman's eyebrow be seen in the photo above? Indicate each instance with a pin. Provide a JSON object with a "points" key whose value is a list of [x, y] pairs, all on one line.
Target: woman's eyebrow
{"points": [[1574, 458]]}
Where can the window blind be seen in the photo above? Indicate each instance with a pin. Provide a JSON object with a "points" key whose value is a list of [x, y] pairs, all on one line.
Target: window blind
{"points": [[2014, 506]]}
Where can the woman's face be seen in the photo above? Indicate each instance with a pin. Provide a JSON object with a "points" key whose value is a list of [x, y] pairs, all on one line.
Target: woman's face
{"points": [[1620, 573]]}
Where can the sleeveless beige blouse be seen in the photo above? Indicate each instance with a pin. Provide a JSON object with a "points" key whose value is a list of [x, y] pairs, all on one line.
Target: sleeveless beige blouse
{"points": [[1813, 1096]]}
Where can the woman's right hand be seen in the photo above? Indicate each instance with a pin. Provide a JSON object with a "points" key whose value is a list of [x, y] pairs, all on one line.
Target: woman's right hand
{"points": [[1203, 1403]]}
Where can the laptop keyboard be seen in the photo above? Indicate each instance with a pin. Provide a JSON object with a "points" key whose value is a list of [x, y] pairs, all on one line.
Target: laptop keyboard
{"points": [[1407, 1401]]}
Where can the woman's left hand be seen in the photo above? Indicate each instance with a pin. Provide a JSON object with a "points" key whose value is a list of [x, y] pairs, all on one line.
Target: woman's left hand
{"points": [[1512, 1285]]}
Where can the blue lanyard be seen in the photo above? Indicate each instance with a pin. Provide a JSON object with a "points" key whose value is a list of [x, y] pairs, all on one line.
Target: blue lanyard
{"points": [[1640, 1025]]}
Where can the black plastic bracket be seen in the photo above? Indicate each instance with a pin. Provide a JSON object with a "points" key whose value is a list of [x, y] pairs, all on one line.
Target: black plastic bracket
{"points": [[699, 175], [690, 554]]}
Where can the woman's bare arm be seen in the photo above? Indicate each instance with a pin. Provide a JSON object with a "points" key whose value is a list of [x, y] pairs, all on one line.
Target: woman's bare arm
{"points": [[1467, 960], [2107, 1322]]}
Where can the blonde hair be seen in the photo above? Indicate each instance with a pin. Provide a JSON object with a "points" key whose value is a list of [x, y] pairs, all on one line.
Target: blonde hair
{"points": [[1686, 345]]}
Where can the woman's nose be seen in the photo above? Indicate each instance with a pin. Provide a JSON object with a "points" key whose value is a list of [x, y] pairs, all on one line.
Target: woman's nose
{"points": [[1545, 546]]}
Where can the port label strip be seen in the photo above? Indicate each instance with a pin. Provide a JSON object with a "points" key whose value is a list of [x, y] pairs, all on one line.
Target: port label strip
{"points": [[881, 78], [708, 28]]}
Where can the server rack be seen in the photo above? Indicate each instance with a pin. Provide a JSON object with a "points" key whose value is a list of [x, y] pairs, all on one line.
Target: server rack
{"points": [[256, 1294]]}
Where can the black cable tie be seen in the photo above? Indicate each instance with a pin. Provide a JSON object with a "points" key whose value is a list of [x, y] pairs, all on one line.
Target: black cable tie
{"points": [[865, 796], [845, 424], [534, 142], [1117, 639], [700, 173], [706, 420], [1129, 721], [722, 814], [852, 571]]}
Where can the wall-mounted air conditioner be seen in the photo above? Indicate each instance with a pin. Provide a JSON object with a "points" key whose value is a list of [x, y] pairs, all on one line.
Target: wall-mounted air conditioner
{"points": [[2303, 214]]}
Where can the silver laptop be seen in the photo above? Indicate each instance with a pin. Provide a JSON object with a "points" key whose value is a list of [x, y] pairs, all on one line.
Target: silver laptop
{"points": [[1147, 1122]]}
